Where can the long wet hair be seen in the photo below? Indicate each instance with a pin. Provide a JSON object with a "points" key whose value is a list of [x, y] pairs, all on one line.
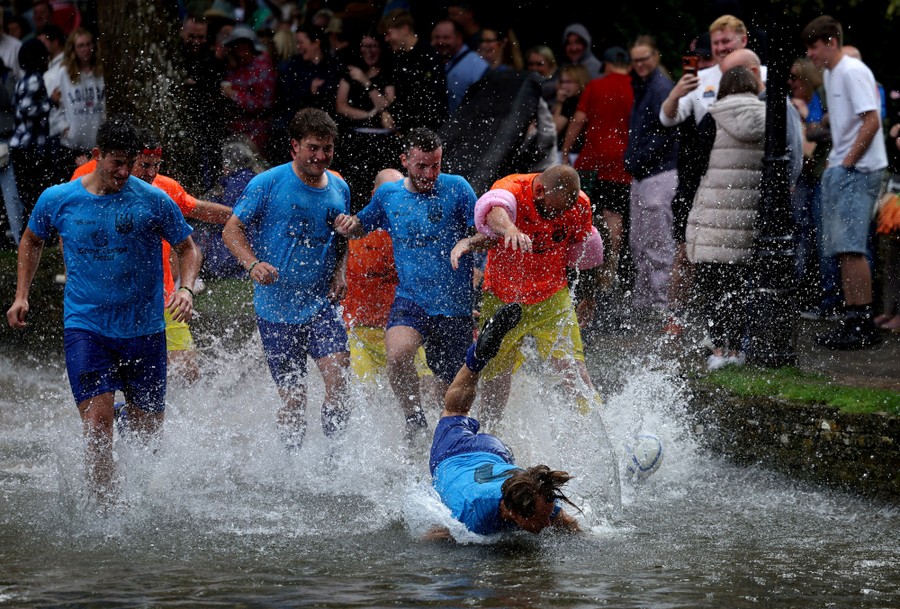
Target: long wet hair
{"points": [[521, 490]]}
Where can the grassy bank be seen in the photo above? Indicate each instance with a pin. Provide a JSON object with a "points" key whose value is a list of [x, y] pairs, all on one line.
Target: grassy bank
{"points": [[803, 387]]}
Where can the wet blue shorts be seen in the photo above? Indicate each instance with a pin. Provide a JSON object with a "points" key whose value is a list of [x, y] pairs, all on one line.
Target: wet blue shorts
{"points": [[287, 345], [446, 339], [457, 435], [99, 364]]}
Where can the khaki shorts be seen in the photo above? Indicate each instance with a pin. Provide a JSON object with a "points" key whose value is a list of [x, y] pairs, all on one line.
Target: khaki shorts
{"points": [[368, 357], [552, 323]]}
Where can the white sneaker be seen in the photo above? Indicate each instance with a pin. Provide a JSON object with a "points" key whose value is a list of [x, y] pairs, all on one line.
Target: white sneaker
{"points": [[715, 362], [738, 359]]}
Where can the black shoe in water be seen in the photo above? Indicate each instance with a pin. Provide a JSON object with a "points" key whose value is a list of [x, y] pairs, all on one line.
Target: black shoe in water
{"points": [[504, 320]]}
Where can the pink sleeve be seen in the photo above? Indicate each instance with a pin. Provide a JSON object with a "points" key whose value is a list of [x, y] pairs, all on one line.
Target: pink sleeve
{"points": [[586, 254], [488, 201]]}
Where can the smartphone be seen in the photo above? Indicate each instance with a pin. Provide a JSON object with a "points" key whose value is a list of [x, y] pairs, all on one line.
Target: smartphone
{"points": [[689, 63]]}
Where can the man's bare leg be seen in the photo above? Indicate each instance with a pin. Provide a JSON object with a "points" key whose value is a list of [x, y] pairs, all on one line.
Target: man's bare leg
{"points": [[291, 416], [336, 407], [856, 279], [97, 425], [401, 344]]}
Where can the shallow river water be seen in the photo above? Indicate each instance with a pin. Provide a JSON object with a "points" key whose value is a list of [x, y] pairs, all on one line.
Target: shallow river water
{"points": [[222, 516]]}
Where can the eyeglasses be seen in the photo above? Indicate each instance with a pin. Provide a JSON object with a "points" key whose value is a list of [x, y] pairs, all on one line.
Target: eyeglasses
{"points": [[369, 46], [490, 40], [641, 59]]}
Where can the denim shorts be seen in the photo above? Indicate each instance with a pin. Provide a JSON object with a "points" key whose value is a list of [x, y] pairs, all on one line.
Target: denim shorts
{"points": [[446, 339], [99, 364], [457, 435], [287, 345], [848, 201]]}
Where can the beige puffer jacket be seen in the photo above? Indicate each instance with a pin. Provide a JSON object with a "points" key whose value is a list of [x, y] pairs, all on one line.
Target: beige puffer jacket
{"points": [[721, 223]]}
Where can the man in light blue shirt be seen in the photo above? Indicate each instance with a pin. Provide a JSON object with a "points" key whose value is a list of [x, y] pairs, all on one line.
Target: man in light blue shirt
{"points": [[463, 65], [427, 214], [112, 226], [281, 232]]}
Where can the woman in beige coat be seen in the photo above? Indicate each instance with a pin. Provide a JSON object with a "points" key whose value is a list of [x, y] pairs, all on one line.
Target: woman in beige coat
{"points": [[721, 224]]}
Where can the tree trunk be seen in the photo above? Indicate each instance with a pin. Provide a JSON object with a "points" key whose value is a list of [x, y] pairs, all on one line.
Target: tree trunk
{"points": [[140, 41]]}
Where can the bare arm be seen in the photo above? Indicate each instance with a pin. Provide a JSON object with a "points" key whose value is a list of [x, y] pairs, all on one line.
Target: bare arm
{"points": [[30, 248], [501, 224], [476, 243], [685, 85], [181, 302], [214, 213], [576, 125], [235, 237], [870, 124]]}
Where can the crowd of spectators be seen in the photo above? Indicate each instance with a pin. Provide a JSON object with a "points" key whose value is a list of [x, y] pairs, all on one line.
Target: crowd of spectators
{"points": [[625, 118]]}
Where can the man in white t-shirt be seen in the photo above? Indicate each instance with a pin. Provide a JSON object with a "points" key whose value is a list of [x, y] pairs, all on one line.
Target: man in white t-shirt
{"points": [[853, 177], [694, 94]]}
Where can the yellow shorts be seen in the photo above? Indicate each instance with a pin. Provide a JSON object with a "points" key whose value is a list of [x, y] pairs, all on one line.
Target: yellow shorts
{"points": [[178, 335], [368, 357], [552, 323]]}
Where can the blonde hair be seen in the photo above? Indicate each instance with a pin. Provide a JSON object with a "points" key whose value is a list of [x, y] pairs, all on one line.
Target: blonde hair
{"points": [[70, 59], [579, 74], [728, 22], [285, 45], [544, 51]]}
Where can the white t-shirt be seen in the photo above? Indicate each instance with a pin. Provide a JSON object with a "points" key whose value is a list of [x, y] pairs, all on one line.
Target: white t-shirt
{"points": [[850, 90], [84, 105], [9, 53], [699, 100]]}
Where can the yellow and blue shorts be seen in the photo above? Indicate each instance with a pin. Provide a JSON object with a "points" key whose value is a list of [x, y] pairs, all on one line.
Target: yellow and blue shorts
{"points": [[178, 335], [368, 357], [552, 323]]}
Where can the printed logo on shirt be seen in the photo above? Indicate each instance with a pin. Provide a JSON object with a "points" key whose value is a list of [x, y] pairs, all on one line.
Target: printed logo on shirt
{"points": [[124, 223], [485, 474], [710, 91], [99, 238]]}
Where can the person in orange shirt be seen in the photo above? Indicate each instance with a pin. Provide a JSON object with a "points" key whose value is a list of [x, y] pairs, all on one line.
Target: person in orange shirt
{"points": [[179, 342], [541, 223]]}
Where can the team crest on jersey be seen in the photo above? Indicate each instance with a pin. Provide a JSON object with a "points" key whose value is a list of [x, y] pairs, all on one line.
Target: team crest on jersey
{"points": [[99, 238], [124, 223]]}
